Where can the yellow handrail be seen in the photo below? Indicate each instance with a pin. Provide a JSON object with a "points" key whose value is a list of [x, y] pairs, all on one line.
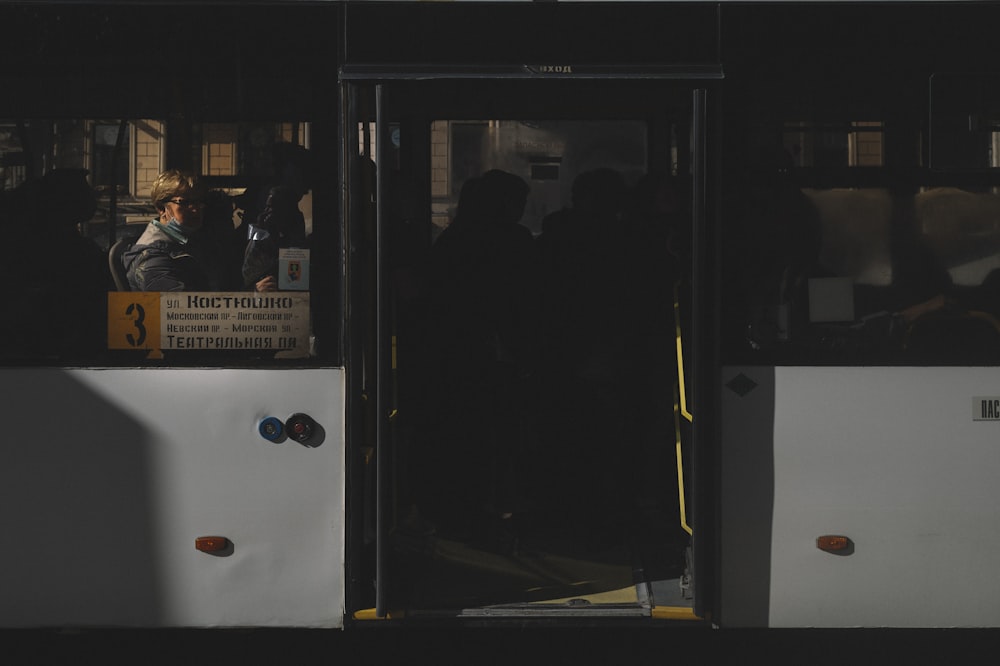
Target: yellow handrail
{"points": [[680, 468], [680, 409], [680, 354]]}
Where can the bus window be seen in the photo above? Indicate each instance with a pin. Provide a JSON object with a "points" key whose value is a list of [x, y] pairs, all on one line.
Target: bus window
{"points": [[836, 258], [76, 189]]}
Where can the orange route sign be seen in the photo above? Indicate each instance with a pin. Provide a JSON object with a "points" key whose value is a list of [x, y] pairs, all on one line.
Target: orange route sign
{"points": [[168, 321], [134, 320]]}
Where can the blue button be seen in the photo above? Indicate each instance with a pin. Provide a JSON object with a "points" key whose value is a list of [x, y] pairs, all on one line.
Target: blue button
{"points": [[271, 429]]}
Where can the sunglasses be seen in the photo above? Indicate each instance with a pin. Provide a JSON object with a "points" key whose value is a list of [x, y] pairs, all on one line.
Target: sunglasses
{"points": [[187, 203]]}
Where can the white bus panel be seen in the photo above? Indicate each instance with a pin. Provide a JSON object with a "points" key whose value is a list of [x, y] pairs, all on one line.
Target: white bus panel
{"points": [[893, 458], [112, 474]]}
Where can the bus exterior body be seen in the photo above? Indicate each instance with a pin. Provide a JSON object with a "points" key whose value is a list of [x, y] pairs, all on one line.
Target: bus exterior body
{"points": [[767, 389]]}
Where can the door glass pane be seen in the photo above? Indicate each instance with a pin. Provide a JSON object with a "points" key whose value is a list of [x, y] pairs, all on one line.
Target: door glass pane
{"points": [[546, 154], [532, 265]]}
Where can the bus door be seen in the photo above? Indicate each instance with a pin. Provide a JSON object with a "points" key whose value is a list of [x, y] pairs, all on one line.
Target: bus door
{"points": [[522, 251]]}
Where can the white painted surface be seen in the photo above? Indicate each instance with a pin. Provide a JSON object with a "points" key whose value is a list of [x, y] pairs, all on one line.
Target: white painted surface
{"points": [[109, 475], [892, 458]]}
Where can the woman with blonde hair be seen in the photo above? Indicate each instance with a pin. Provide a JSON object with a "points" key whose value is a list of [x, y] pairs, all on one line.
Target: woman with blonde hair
{"points": [[171, 255]]}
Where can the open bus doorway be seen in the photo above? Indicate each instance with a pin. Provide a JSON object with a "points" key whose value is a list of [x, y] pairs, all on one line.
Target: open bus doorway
{"points": [[528, 445]]}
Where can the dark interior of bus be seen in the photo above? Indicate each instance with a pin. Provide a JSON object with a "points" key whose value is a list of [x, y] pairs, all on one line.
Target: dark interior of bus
{"points": [[534, 458]]}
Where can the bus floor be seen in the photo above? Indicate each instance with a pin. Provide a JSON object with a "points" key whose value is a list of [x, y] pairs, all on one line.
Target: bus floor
{"points": [[538, 565]]}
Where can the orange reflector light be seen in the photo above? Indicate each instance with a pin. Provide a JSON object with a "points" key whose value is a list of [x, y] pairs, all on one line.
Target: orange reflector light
{"points": [[833, 543], [211, 544]]}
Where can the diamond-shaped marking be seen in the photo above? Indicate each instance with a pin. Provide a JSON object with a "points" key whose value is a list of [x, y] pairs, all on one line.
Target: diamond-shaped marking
{"points": [[741, 385]]}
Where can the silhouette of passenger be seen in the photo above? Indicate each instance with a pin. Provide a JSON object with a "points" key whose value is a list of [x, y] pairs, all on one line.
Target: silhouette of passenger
{"points": [[589, 341], [659, 237], [273, 218], [483, 312], [225, 241], [775, 250], [64, 273], [64, 202], [583, 251]]}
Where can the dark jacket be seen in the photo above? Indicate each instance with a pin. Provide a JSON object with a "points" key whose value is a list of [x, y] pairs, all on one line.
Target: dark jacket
{"points": [[275, 222], [159, 262]]}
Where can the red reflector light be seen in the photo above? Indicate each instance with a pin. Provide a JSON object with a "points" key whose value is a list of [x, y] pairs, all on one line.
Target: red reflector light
{"points": [[833, 543], [211, 544]]}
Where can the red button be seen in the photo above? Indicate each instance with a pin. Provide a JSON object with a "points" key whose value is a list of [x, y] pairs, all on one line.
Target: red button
{"points": [[211, 544]]}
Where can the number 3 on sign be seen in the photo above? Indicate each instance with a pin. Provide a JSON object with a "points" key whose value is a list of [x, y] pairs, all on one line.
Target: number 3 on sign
{"points": [[134, 320]]}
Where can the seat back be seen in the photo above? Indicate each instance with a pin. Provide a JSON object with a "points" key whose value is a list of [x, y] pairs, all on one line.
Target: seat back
{"points": [[116, 266]]}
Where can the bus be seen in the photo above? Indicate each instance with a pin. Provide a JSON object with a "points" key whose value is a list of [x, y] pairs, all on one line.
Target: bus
{"points": [[605, 313]]}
